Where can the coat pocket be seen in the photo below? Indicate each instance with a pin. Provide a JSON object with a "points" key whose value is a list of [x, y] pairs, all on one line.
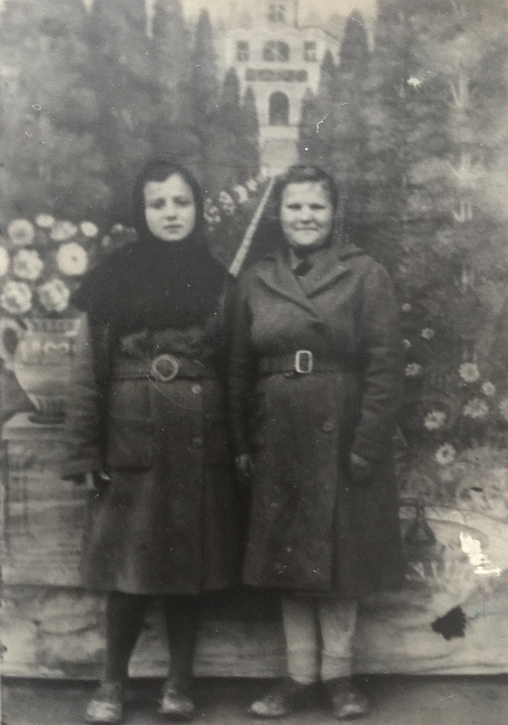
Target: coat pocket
{"points": [[131, 444]]}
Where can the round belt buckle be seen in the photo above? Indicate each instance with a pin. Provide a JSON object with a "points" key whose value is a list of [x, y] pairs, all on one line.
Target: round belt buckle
{"points": [[164, 368]]}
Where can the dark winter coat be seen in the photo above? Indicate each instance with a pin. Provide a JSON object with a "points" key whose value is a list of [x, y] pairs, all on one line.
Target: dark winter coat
{"points": [[168, 522], [310, 527]]}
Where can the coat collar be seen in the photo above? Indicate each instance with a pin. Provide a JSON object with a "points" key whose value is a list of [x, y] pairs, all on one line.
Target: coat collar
{"points": [[279, 277]]}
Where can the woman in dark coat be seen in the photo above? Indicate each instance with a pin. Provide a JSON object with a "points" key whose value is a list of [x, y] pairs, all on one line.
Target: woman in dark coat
{"points": [[147, 419], [316, 375]]}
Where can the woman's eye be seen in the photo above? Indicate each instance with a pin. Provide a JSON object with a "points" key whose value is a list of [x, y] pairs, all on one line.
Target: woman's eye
{"points": [[294, 207], [156, 204], [182, 201], [317, 207]]}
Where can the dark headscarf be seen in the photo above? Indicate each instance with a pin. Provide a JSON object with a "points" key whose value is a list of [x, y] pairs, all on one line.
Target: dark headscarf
{"points": [[152, 284]]}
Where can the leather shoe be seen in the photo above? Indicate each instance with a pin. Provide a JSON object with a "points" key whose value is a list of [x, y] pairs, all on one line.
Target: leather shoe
{"points": [[348, 703], [106, 705], [281, 700], [176, 703]]}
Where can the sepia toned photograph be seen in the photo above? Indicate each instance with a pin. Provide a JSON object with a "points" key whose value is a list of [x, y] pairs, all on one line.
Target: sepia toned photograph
{"points": [[254, 361]]}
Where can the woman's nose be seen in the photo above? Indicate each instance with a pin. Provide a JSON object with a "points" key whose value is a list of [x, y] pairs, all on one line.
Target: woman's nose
{"points": [[170, 211], [305, 214]]}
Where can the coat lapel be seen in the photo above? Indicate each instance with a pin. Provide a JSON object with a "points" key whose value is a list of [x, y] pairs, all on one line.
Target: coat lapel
{"points": [[280, 279]]}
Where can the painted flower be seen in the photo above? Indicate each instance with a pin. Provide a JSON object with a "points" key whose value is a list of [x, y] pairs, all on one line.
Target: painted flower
{"points": [[406, 344], [54, 295], [226, 202], [117, 228], [413, 370], [503, 408], [4, 261], [476, 408], [45, 221], [427, 333], [445, 454], [469, 372], [488, 389], [251, 185], [406, 307], [212, 214], [72, 259], [21, 232], [89, 229], [62, 231], [242, 193], [16, 298], [434, 420], [27, 264], [106, 241]]}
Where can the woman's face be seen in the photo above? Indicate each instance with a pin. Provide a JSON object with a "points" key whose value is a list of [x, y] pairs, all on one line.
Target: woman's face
{"points": [[170, 208], [306, 214]]}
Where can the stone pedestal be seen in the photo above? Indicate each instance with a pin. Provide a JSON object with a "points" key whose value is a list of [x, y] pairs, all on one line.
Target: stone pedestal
{"points": [[53, 628]]}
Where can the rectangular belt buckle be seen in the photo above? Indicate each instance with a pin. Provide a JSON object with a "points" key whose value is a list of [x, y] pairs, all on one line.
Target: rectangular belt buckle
{"points": [[304, 362]]}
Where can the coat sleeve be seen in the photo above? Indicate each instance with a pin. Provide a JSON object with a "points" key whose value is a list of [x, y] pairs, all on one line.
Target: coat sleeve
{"points": [[241, 371], [381, 345], [82, 435]]}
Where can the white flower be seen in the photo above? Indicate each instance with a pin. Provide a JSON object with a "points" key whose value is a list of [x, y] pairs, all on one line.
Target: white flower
{"points": [[242, 193], [117, 228], [413, 370], [212, 214], [27, 264], [488, 389], [21, 232], [414, 82], [427, 333], [45, 221], [503, 408], [406, 344], [445, 454], [226, 202], [89, 229], [434, 420], [106, 241], [72, 259], [406, 307], [476, 408], [62, 231], [469, 372], [16, 298], [251, 185], [4, 261], [54, 295]]}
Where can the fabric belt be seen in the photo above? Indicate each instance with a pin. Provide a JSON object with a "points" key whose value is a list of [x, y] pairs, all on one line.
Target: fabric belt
{"points": [[302, 362], [162, 368]]}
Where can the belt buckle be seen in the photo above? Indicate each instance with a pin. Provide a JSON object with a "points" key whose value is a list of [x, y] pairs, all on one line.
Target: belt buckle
{"points": [[304, 362], [170, 368]]}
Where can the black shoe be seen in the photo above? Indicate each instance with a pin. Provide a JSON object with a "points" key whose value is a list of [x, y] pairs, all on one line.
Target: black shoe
{"points": [[348, 703], [176, 702], [106, 705], [282, 699]]}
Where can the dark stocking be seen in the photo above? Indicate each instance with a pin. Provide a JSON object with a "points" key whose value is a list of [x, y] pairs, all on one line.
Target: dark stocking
{"points": [[182, 616], [125, 614]]}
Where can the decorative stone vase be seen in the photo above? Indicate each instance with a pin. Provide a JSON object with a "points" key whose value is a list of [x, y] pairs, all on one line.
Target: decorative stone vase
{"points": [[41, 361]]}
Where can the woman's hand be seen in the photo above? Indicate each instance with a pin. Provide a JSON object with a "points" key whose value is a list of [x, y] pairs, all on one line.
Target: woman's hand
{"points": [[243, 465], [361, 470]]}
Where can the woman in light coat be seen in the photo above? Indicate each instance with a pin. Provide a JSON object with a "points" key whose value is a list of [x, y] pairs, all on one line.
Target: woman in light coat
{"points": [[316, 376]]}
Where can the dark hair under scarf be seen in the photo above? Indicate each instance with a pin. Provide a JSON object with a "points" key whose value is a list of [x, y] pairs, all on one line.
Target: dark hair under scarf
{"points": [[152, 284]]}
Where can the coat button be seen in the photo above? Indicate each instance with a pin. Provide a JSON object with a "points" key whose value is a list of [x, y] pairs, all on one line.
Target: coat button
{"points": [[328, 426], [197, 441], [196, 388]]}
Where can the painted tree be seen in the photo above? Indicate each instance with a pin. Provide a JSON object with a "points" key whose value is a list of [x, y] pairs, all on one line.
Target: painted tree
{"points": [[249, 136], [225, 158], [172, 131], [49, 153], [349, 133], [125, 87], [205, 89], [315, 131]]}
